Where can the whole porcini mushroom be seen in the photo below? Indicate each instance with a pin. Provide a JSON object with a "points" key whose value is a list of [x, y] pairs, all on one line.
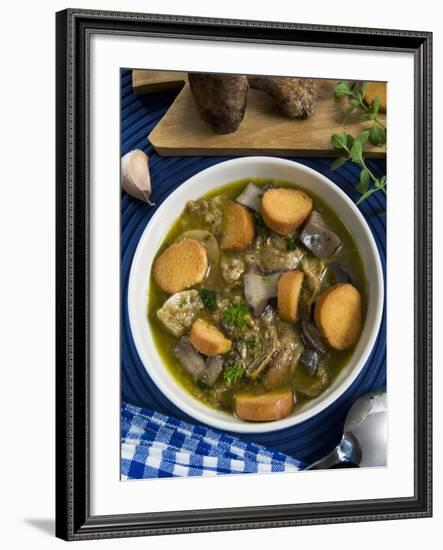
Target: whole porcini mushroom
{"points": [[220, 99], [135, 177], [296, 97]]}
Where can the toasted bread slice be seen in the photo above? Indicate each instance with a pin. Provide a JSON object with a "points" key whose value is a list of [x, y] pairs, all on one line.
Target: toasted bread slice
{"points": [[181, 265], [288, 293], [338, 316], [207, 339], [284, 210], [238, 227], [264, 407]]}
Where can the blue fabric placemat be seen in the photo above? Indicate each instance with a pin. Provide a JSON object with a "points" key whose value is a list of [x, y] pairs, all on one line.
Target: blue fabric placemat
{"points": [[311, 439]]}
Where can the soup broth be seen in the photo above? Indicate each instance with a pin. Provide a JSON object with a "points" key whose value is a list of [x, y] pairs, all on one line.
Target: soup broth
{"points": [[229, 343]]}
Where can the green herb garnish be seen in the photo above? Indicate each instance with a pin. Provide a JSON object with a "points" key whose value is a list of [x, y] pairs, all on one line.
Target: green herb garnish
{"points": [[233, 372], [234, 314], [291, 242], [251, 342], [352, 147], [355, 92], [209, 299], [259, 223], [203, 386]]}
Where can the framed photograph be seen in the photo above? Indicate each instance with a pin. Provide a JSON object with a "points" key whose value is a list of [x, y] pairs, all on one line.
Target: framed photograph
{"points": [[243, 274]]}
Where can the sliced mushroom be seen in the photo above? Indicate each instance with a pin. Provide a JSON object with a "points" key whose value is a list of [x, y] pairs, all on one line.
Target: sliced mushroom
{"points": [[285, 360], [269, 345], [309, 359], [214, 367], [341, 276], [259, 289], [179, 311], [311, 337], [314, 269], [255, 368], [251, 197], [192, 361], [318, 238], [189, 357]]}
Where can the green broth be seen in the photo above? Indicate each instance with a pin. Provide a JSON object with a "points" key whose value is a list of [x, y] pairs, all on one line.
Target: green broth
{"points": [[348, 257]]}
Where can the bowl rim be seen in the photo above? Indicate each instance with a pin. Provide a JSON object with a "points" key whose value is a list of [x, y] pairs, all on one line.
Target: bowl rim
{"points": [[174, 396]]}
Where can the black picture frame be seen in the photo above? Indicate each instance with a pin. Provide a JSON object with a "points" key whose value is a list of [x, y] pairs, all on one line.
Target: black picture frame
{"points": [[74, 28]]}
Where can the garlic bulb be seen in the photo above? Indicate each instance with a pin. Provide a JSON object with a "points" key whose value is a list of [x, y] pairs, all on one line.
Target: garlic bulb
{"points": [[135, 177]]}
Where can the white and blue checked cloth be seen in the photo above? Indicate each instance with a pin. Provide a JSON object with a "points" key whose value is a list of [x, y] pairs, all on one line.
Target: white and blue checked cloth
{"points": [[154, 445]]}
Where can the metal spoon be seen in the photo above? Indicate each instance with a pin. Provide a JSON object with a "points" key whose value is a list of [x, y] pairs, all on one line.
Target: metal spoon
{"points": [[364, 436]]}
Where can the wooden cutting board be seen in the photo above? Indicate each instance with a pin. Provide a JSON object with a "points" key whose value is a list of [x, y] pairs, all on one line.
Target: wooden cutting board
{"points": [[147, 82], [264, 129]]}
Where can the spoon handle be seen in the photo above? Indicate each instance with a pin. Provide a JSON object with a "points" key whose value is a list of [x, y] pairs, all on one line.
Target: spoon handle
{"points": [[332, 459]]}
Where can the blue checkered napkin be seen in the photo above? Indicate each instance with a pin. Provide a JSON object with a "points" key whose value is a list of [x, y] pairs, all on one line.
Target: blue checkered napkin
{"points": [[154, 445]]}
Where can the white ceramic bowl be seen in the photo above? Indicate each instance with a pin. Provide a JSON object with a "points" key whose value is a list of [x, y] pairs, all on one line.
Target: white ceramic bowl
{"points": [[154, 234]]}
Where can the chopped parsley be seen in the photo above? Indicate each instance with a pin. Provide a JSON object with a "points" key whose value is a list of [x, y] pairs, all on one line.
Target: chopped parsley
{"points": [[291, 242], [259, 223], [234, 314], [233, 372], [251, 342], [203, 386], [209, 299]]}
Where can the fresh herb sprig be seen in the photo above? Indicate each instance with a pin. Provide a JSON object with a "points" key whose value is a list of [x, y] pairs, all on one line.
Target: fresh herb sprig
{"points": [[353, 148], [355, 93], [234, 314], [209, 299], [233, 372]]}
